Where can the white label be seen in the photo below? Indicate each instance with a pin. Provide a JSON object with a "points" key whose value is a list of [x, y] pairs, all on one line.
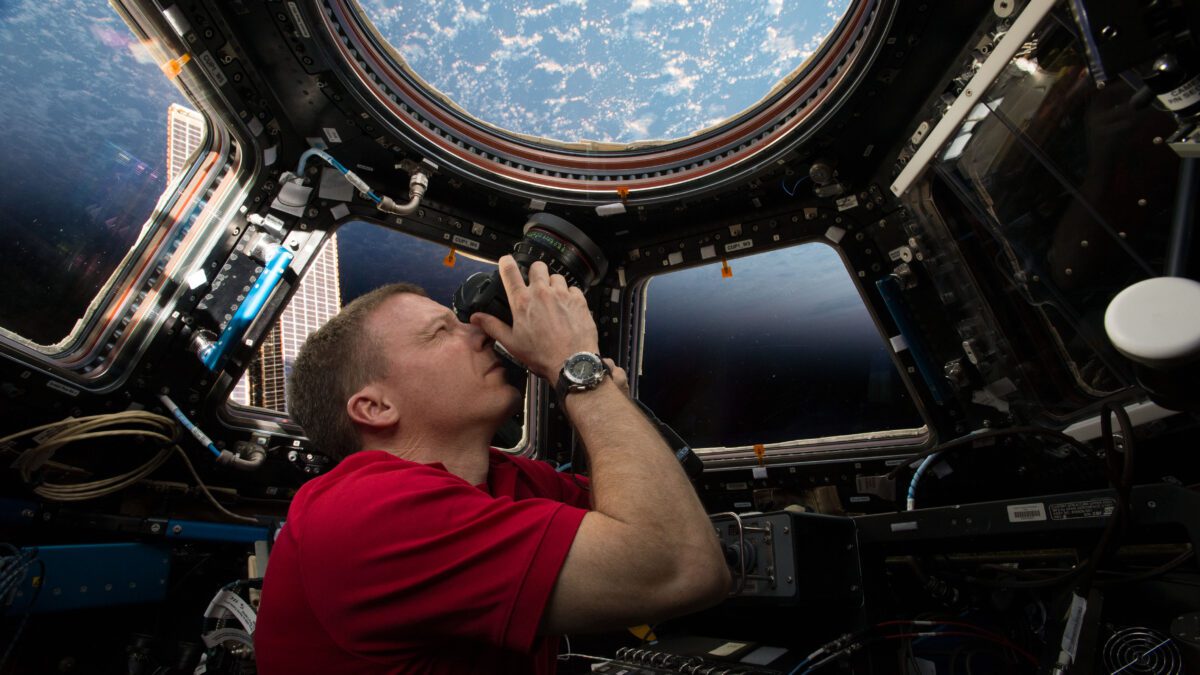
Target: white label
{"points": [[739, 245], [332, 134], [674, 258], [1026, 513], [1070, 641], [62, 388], [727, 648], [340, 211], [759, 472], [736, 486], [847, 203], [213, 70], [834, 233], [707, 252], [1187, 95], [197, 278], [742, 505], [298, 19], [898, 343], [466, 243], [859, 499], [240, 609]]}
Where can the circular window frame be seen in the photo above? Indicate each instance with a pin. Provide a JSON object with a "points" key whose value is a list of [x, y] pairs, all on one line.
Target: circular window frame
{"points": [[585, 173]]}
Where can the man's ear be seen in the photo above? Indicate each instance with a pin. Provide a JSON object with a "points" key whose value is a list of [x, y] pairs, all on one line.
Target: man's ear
{"points": [[372, 408]]}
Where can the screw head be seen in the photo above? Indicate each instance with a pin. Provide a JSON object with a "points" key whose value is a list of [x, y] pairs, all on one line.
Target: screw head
{"points": [[156, 528], [177, 529]]}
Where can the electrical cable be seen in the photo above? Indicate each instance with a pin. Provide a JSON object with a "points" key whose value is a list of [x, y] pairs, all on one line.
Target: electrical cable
{"points": [[900, 636], [71, 430], [993, 433]]}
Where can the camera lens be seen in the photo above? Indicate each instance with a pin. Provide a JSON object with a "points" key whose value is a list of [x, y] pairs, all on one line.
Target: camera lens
{"points": [[564, 248]]}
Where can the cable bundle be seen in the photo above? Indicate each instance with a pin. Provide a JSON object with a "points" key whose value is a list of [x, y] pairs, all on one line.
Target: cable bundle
{"points": [[130, 423]]}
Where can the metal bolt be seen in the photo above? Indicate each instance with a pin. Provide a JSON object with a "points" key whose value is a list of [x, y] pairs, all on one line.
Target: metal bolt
{"points": [[1121, 235], [1068, 271], [156, 528], [1142, 202], [789, 580], [1084, 243], [177, 529], [1152, 504], [786, 529], [1157, 140]]}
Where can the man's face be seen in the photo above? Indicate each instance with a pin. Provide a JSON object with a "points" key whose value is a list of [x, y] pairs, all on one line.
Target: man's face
{"points": [[443, 372]]}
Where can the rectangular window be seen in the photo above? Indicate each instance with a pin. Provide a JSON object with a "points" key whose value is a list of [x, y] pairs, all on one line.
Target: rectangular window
{"points": [[784, 350]]}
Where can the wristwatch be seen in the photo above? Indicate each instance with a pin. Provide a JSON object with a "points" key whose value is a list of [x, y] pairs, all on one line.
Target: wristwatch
{"points": [[581, 372]]}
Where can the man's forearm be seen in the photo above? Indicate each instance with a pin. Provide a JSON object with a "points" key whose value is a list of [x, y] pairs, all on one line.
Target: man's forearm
{"points": [[636, 479]]}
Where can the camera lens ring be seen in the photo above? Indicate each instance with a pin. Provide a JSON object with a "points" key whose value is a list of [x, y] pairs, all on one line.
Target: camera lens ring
{"points": [[577, 244]]}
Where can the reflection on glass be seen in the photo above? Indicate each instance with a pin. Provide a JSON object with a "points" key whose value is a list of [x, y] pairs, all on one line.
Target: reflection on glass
{"points": [[610, 72], [784, 350], [85, 113], [1043, 166]]}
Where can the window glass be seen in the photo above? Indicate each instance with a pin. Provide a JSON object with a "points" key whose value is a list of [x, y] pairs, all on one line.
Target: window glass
{"points": [[783, 350], [85, 153], [358, 259], [618, 72]]}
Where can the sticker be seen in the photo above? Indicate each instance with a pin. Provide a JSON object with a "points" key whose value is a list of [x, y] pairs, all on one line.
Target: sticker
{"points": [[736, 486], [907, 526], [1101, 507], [1070, 640], [707, 252], [213, 70], [759, 472], [1182, 97], [739, 245], [340, 211], [728, 648], [1026, 513], [465, 243], [62, 388], [859, 499], [834, 233], [742, 505], [674, 258], [298, 19], [236, 606], [332, 134], [847, 203]]}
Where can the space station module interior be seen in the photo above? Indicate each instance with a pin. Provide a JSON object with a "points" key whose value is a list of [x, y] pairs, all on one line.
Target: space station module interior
{"points": [[997, 474]]}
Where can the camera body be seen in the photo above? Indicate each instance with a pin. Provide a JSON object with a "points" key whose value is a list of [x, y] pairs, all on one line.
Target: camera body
{"points": [[564, 248]]}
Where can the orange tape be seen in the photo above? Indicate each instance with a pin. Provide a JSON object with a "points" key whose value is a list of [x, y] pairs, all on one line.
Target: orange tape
{"points": [[174, 67], [449, 260], [760, 452], [726, 272], [623, 193]]}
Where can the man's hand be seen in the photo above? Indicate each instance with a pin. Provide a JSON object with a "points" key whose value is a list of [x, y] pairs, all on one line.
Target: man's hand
{"points": [[551, 320], [618, 375]]}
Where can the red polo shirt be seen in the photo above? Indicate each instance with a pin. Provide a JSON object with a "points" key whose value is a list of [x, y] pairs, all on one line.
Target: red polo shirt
{"points": [[389, 566]]}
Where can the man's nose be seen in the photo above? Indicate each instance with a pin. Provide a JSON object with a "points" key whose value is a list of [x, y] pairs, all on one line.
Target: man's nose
{"points": [[479, 339]]}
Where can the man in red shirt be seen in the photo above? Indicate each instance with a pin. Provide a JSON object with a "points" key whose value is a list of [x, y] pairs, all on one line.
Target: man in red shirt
{"points": [[426, 551]]}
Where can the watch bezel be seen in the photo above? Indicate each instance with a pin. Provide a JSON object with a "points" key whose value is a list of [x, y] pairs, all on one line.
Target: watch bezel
{"points": [[598, 373]]}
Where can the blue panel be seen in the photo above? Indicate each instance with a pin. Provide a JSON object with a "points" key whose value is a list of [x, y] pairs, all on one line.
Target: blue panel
{"points": [[93, 575], [18, 511], [198, 530]]}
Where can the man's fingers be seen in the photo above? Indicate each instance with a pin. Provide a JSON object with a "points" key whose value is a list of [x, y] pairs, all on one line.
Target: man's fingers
{"points": [[510, 275], [539, 273], [495, 328], [618, 374], [558, 281]]}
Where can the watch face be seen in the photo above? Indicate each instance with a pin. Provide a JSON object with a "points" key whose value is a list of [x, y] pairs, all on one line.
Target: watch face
{"points": [[583, 369]]}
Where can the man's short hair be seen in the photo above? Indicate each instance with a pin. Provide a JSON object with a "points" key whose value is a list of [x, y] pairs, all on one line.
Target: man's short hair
{"points": [[335, 362]]}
